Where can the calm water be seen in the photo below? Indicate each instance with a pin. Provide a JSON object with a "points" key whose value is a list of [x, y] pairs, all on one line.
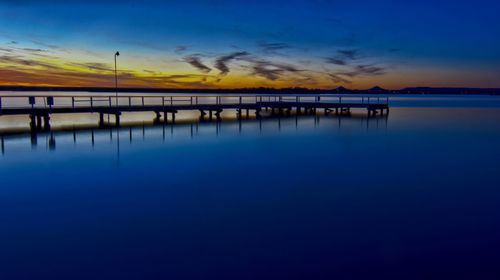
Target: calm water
{"points": [[412, 196]]}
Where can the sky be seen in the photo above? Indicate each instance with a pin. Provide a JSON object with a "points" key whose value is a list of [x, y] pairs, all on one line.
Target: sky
{"points": [[241, 44]]}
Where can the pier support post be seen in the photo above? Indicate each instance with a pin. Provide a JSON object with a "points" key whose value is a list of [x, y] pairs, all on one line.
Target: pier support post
{"points": [[32, 122], [158, 117], [46, 122], [117, 118], [202, 115], [217, 114], [165, 117], [101, 119], [38, 121]]}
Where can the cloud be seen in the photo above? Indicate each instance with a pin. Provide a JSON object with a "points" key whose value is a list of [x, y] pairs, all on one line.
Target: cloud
{"points": [[355, 71], [93, 66], [222, 62], [338, 79], [50, 46], [343, 57], [6, 50], [349, 54], [196, 62], [33, 50], [272, 48], [270, 74], [336, 61], [271, 70], [365, 70], [180, 49], [59, 76], [18, 61]]}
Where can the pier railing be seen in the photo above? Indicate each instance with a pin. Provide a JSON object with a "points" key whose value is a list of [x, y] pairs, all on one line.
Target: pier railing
{"points": [[47, 101]]}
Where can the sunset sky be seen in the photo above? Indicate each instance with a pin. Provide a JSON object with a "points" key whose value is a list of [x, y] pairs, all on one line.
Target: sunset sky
{"points": [[232, 44]]}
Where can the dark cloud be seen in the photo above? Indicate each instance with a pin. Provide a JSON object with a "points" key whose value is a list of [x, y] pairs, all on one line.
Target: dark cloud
{"points": [[151, 72], [196, 62], [336, 61], [93, 66], [20, 70], [222, 62], [270, 74], [338, 79], [349, 54], [18, 61], [180, 49], [33, 50], [6, 50], [355, 71], [273, 48], [271, 70], [343, 57], [50, 46], [366, 70]]}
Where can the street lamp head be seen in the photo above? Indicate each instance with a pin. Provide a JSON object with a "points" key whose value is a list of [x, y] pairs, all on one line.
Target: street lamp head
{"points": [[117, 54]]}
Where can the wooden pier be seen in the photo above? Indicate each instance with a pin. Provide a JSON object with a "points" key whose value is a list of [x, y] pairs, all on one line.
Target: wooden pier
{"points": [[40, 107]]}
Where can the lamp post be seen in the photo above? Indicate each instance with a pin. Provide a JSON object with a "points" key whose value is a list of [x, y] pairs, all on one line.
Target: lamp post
{"points": [[116, 79]]}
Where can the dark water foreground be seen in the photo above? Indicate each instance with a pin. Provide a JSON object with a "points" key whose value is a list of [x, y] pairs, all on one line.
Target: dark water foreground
{"points": [[413, 196]]}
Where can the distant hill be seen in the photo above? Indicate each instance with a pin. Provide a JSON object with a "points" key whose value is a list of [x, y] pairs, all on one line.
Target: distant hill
{"points": [[262, 90]]}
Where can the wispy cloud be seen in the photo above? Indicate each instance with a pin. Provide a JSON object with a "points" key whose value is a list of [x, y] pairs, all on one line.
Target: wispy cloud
{"points": [[365, 70], [93, 66], [7, 50], [273, 48], [21, 70], [349, 54], [180, 49], [271, 70], [337, 79], [196, 62], [335, 60], [19, 61], [32, 50], [50, 46], [343, 57], [222, 62]]}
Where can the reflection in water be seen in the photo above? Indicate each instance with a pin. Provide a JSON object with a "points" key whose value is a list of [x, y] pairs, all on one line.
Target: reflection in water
{"points": [[274, 197], [149, 131]]}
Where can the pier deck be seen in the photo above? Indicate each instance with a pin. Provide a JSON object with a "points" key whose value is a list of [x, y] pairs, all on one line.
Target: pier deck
{"points": [[41, 107]]}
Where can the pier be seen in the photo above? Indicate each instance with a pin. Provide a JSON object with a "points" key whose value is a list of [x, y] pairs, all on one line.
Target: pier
{"points": [[40, 108]]}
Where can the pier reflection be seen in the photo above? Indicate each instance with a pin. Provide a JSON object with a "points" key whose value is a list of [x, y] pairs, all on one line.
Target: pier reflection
{"points": [[143, 132]]}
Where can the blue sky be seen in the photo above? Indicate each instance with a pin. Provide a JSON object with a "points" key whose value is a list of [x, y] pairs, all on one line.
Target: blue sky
{"points": [[280, 43]]}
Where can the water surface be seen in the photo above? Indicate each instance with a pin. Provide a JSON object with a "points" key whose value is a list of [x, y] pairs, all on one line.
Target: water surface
{"points": [[411, 196]]}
